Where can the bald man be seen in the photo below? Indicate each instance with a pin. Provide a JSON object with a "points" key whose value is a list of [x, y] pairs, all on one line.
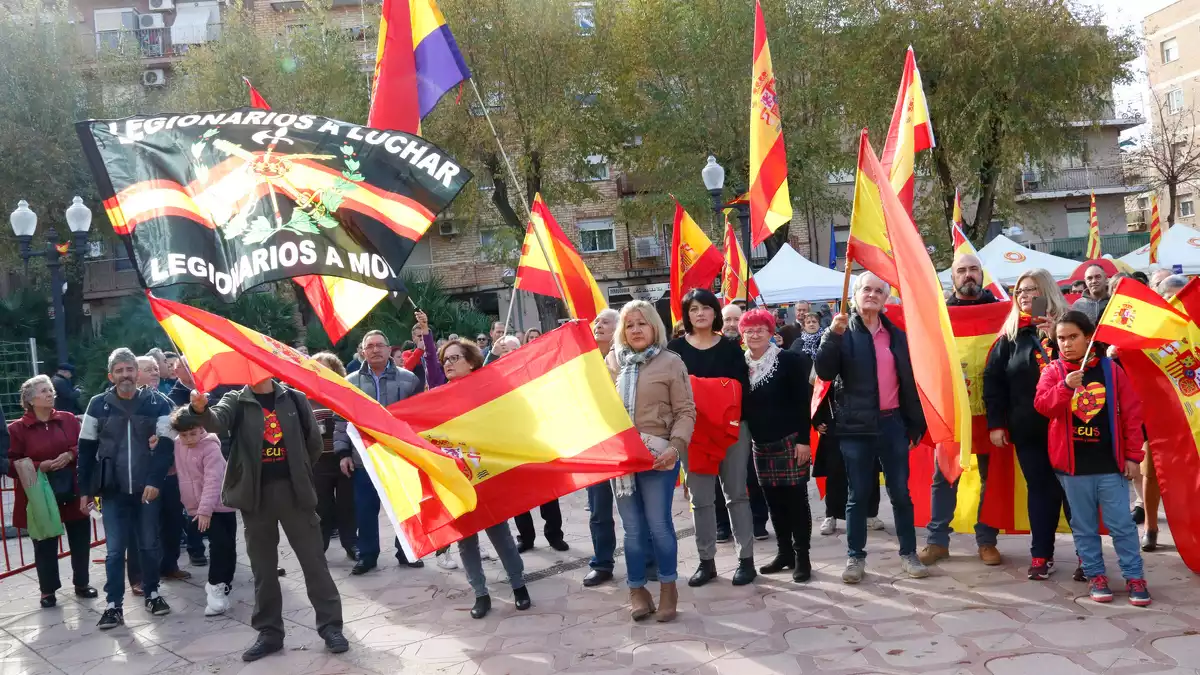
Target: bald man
{"points": [[730, 315], [967, 274]]}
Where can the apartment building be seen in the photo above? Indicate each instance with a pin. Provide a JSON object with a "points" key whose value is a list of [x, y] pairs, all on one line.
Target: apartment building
{"points": [[1173, 70]]}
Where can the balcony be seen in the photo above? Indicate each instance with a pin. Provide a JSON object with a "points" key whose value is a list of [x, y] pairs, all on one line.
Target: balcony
{"points": [[1077, 182], [152, 44], [109, 278], [1115, 245]]}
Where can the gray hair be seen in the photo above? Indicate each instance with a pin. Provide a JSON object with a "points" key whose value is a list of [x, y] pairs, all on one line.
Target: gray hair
{"points": [[512, 341], [371, 334], [1173, 283], [121, 355], [29, 385], [860, 279], [607, 313]]}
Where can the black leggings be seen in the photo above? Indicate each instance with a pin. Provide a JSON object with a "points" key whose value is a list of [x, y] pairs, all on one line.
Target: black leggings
{"points": [[792, 519], [222, 540], [1045, 496], [551, 514], [45, 556]]}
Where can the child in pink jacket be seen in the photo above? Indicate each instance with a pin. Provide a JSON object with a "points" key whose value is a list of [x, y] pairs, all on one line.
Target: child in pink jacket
{"points": [[201, 469]]}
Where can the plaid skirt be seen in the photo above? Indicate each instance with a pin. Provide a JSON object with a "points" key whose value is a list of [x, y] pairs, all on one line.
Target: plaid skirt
{"points": [[776, 464]]}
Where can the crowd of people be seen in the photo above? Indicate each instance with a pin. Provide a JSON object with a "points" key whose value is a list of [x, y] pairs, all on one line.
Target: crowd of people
{"points": [[727, 401]]}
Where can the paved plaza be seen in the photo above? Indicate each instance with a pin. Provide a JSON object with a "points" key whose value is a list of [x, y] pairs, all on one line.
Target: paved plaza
{"points": [[965, 618]]}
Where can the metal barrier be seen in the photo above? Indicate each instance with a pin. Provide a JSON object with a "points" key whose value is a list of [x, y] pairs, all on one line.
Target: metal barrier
{"points": [[16, 559]]}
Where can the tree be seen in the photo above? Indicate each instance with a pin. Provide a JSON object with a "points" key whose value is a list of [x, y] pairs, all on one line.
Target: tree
{"points": [[1170, 155]]}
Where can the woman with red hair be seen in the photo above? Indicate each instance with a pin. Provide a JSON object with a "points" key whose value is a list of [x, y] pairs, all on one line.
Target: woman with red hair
{"points": [[776, 409]]}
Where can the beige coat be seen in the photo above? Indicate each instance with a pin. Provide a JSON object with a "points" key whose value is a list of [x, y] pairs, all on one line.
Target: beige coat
{"points": [[664, 398]]}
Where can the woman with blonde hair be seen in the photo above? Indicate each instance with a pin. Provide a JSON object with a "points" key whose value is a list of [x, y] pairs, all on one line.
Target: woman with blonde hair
{"points": [[653, 384], [1024, 348]]}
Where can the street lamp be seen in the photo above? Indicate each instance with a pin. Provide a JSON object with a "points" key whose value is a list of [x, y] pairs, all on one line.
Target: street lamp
{"points": [[24, 224], [713, 175]]}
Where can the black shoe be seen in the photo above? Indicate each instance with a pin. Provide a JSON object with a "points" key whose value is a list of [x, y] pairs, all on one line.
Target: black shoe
{"points": [[112, 617], [85, 592], [1079, 575], [521, 597], [280, 571], [335, 642], [803, 571], [780, 563], [48, 601], [745, 572], [1150, 541], [706, 572], [157, 606], [560, 545], [724, 536], [1139, 515], [416, 564], [198, 560], [523, 546], [596, 577], [263, 646], [760, 533], [351, 555], [362, 567], [483, 605]]}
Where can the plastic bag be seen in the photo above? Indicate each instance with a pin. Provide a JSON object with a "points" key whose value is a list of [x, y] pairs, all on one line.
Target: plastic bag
{"points": [[41, 512]]}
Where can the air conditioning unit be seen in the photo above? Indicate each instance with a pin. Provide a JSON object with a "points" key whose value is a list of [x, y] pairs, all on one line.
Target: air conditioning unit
{"points": [[146, 21], [161, 5], [646, 247], [155, 77], [447, 228]]}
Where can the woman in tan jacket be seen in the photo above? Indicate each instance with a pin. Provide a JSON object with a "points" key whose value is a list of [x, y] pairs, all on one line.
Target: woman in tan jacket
{"points": [[653, 385]]}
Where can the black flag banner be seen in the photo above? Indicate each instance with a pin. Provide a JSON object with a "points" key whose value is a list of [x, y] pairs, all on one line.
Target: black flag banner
{"points": [[233, 199]]}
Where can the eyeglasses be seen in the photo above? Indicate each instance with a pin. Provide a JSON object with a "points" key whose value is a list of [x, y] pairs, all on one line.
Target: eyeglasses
{"points": [[1026, 291], [756, 332], [452, 359]]}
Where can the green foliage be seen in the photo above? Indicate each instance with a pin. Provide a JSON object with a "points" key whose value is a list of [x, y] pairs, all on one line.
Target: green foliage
{"points": [[134, 327]]}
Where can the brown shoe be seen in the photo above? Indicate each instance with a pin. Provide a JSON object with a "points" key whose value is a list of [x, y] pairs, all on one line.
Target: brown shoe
{"points": [[933, 553], [641, 603], [668, 599], [178, 575], [136, 588], [990, 555]]}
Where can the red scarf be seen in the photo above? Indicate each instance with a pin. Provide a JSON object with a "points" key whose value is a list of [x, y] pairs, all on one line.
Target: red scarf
{"points": [[1071, 366]]}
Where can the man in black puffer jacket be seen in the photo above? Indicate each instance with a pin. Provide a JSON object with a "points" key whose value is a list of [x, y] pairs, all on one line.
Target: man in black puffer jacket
{"points": [[877, 415]]}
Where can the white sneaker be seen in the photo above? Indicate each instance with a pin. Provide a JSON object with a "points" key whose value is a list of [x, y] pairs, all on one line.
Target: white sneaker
{"points": [[855, 569], [874, 524], [913, 567], [829, 526], [217, 602], [446, 561]]}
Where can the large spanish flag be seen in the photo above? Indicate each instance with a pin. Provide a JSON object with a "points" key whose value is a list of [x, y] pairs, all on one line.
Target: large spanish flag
{"points": [[963, 246], [868, 242], [695, 262], [770, 204], [1093, 242], [220, 351], [416, 63], [536, 273], [1155, 228], [930, 336], [910, 132], [535, 425], [736, 282]]}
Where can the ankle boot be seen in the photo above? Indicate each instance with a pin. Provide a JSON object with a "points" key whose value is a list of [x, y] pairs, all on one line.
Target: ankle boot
{"points": [[641, 603], [668, 600], [783, 561], [745, 572], [803, 571], [706, 572]]}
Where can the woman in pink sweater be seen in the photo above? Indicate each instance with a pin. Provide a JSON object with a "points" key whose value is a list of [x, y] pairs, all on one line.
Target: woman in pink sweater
{"points": [[201, 468]]}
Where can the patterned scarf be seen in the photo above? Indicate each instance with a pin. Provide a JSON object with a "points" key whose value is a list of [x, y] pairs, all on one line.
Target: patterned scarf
{"points": [[762, 368], [630, 363], [811, 341]]}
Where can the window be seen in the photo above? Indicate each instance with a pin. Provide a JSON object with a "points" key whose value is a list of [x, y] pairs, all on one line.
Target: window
{"points": [[1078, 221], [585, 18], [1175, 101], [1178, 150], [1143, 203], [595, 168], [1187, 207], [1170, 50], [597, 235]]}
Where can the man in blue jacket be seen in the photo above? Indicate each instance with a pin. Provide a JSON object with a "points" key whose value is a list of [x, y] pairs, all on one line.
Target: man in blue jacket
{"points": [[124, 456]]}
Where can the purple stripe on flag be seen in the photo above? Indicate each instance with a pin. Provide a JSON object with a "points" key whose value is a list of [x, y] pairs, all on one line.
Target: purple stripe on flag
{"points": [[440, 67]]}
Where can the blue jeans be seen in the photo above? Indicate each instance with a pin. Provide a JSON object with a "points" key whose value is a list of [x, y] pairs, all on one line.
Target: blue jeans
{"points": [[506, 550], [604, 529], [366, 514], [1107, 494], [122, 514], [890, 448], [647, 513], [944, 499]]}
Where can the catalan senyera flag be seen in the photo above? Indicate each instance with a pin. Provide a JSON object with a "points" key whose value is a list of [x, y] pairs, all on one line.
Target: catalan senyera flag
{"points": [[736, 281], [930, 336], [962, 246], [416, 63], [1093, 242], [536, 274], [1155, 228], [1137, 318], [695, 262], [535, 425], [414, 476], [910, 132], [770, 203]]}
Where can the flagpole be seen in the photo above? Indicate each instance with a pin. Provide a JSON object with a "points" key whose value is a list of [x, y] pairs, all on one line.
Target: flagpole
{"points": [[512, 176], [846, 286]]}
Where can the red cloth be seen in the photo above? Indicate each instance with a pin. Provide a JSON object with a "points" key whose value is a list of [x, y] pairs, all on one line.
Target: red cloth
{"points": [[1053, 399], [40, 441], [412, 358], [718, 414]]}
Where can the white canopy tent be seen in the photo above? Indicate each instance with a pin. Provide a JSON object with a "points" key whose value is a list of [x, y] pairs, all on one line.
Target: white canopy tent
{"points": [[1179, 246], [1006, 260], [790, 277]]}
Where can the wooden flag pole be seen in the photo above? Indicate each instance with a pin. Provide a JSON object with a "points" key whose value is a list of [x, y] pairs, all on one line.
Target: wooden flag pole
{"points": [[845, 287]]}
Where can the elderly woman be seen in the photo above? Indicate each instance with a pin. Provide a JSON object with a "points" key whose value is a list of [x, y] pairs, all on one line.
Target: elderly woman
{"points": [[653, 385], [776, 410], [49, 438], [459, 359]]}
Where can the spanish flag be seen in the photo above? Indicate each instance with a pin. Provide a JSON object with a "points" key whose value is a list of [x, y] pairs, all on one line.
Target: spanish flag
{"points": [[538, 424], [911, 132], [736, 281], [416, 63], [878, 215], [1155, 229], [1093, 242], [695, 262], [1137, 318], [770, 204], [220, 351], [962, 246], [536, 274]]}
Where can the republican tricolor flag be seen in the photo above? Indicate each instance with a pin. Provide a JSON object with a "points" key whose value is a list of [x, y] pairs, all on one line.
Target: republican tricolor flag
{"points": [[537, 274], [695, 262], [736, 280], [963, 246], [911, 132], [770, 204]]}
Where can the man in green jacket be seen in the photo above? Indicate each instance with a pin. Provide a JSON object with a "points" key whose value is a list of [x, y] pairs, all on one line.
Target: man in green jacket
{"points": [[275, 444]]}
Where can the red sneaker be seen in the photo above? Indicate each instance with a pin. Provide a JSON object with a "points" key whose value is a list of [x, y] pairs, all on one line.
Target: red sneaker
{"points": [[1099, 590], [1040, 568], [1139, 595]]}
